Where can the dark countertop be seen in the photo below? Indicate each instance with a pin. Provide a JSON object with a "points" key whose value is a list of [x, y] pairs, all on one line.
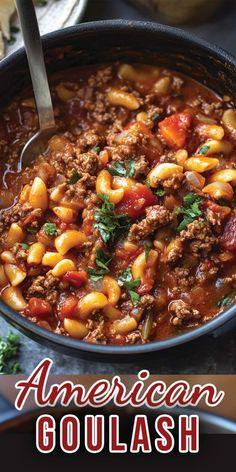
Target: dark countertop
{"points": [[213, 354]]}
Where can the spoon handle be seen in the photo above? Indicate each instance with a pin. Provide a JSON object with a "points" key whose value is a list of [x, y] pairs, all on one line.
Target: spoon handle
{"points": [[34, 51]]}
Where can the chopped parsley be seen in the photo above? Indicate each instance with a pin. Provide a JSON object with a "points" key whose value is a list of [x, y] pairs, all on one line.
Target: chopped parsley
{"points": [[147, 249], [96, 149], [226, 300], [155, 117], [74, 177], [130, 168], [24, 246], [50, 229], [9, 348], [126, 280], [191, 211], [160, 192], [103, 260], [203, 150], [109, 223], [116, 169]]}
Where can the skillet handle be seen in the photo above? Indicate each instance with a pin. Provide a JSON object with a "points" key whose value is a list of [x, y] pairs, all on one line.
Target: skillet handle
{"points": [[226, 328]]}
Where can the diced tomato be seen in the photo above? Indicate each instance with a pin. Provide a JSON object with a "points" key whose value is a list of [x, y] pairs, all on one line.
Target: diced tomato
{"points": [[136, 200], [174, 129], [221, 211], [68, 307], [76, 278], [147, 281], [228, 238], [39, 308], [63, 226]]}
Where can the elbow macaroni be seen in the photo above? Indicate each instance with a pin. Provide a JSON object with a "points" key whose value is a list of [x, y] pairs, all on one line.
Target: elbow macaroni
{"points": [[35, 254], [38, 197], [15, 235], [201, 164], [140, 265], [162, 172], [91, 302], [104, 186], [75, 328], [13, 297], [62, 267], [120, 98], [68, 240], [219, 190], [111, 289], [14, 274]]}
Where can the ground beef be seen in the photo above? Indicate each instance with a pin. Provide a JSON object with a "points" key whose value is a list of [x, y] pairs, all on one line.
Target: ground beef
{"points": [[88, 140], [147, 302], [20, 253], [174, 182], [96, 328], [215, 219], [156, 216], [200, 236], [176, 251], [230, 280], [184, 279], [44, 287], [206, 271], [86, 163], [102, 77], [14, 214], [140, 167], [33, 219], [134, 338], [183, 315]]}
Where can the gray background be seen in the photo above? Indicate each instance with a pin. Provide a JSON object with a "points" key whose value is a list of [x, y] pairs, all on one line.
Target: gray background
{"points": [[211, 354]]}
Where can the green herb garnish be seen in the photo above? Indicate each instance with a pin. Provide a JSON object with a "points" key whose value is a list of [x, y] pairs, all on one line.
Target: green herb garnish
{"points": [[74, 177], [116, 169], [50, 229], [191, 212], [160, 192], [102, 261], [8, 349], [24, 246], [203, 150], [147, 249], [130, 168], [109, 223], [226, 300], [126, 280], [96, 149], [155, 117]]}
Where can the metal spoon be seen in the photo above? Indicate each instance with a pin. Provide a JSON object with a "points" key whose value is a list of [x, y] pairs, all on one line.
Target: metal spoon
{"points": [[30, 31]]}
